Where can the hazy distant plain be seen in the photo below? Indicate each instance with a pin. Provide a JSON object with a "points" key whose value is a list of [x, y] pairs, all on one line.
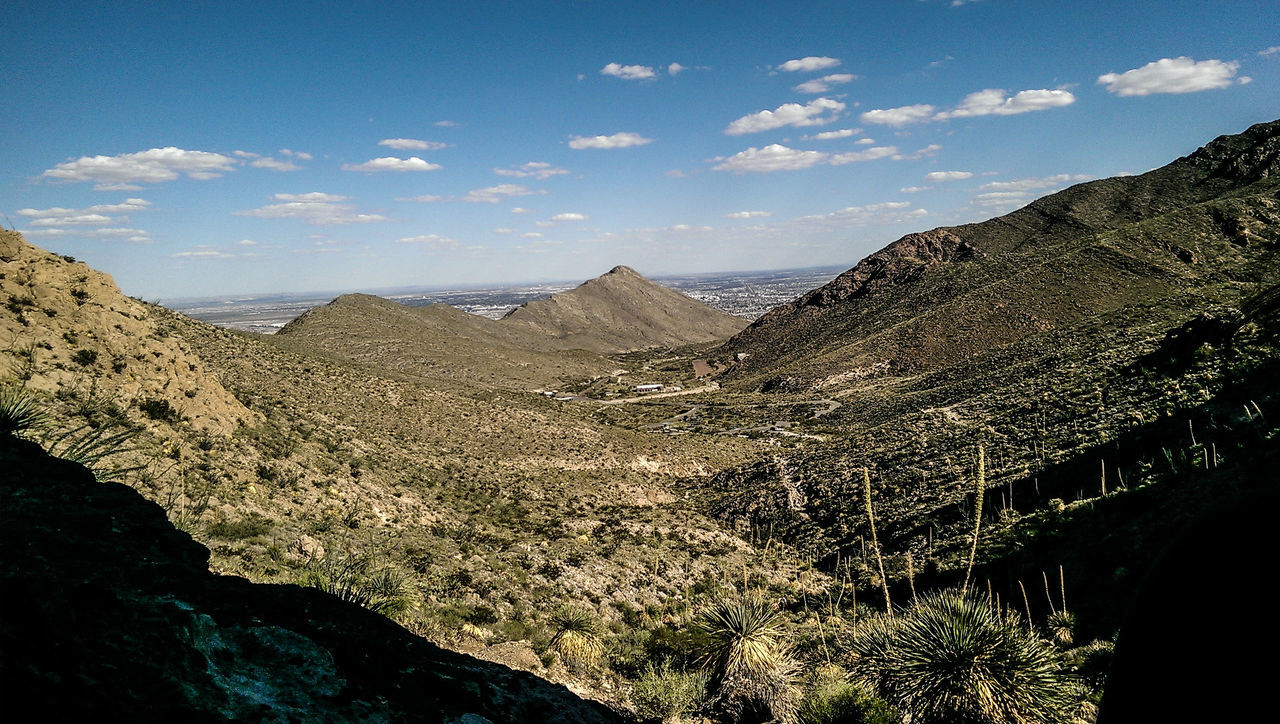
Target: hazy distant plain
{"points": [[745, 294]]}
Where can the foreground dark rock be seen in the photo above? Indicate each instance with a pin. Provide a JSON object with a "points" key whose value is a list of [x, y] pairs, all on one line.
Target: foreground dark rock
{"points": [[109, 612]]}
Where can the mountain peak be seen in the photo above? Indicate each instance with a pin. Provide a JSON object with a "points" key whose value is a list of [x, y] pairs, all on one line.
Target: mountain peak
{"points": [[623, 270]]}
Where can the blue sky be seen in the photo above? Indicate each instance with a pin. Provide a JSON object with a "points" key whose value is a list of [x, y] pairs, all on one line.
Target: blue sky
{"points": [[198, 149]]}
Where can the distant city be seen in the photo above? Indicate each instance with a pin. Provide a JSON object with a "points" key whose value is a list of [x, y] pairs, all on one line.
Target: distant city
{"points": [[745, 294]]}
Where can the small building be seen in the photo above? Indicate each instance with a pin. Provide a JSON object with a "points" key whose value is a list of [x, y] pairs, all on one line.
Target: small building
{"points": [[649, 387]]}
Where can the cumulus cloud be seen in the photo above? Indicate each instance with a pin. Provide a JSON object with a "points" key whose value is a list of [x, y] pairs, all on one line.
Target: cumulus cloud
{"points": [[748, 214], [675, 68], [1002, 199], [569, 216], [900, 116], [884, 213], [629, 72], [534, 169], [994, 102], [832, 135], [247, 242], [808, 64], [137, 236], [617, 140], [295, 154], [914, 189], [151, 166], [48, 222], [823, 84], [272, 164], [930, 150], [520, 210], [817, 112], [1033, 183], [494, 194], [871, 154], [774, 157], [1269, 51], [434, 241], [316, 208], [1172, 75], [391, 163], [202, 253], [943, 176], [412, 144]]}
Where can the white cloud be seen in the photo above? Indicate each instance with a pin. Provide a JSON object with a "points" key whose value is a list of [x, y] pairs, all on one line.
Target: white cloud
{"points": [[503, 230], [151, 166], [426, 198], [813, 113], [1171, 75], [412, 144], [832, 135], [930, 150], [675, 68], [494, 194], [295, 154], [137, 236], [1029, 184], [434, 241], [569, 216], [247, 242], [533, 169], [123, 207], [531, 235], [823, 84], [617, 140], [900, 116], [943, 176], [202, 253], [1269, 51], [315, 208], [447, 124], [993, 101], [1002, 199], [884, 213], [914, 189], [519, 210], [629, 72], [867, 142], [272, 164], [810, 63], [748, 214], [391, 163], [871, 154], [774, 157]]}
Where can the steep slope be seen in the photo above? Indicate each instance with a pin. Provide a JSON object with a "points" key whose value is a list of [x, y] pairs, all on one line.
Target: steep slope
{"points": [[439, 342], [622, 311], [108, 608], [936, 298], [66, 329]]}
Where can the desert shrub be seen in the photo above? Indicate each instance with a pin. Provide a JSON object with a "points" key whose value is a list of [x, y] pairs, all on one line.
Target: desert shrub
{"points": [[666, 693], [353, 577], [94, 447], [954, 658], [85, 357], [752, 673], [251, 526], [158, 409], [577, 635], [20, 414], [834, 700]]}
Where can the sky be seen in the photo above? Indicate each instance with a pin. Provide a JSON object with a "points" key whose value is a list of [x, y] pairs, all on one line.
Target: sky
{"points": [[231, 148]]}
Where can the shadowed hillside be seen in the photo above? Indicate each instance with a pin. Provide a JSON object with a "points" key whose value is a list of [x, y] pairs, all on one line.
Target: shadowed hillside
{"points": [[622, 311]]}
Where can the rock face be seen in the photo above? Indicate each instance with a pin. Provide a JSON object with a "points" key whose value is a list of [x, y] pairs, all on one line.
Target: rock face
{"points": [[110, 612], [933, 299], [622, 311], [65, 327]]}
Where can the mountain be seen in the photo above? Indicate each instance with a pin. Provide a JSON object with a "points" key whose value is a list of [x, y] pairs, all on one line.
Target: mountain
{"points": [[622, 311], [1109, 347], [109, 608], [68, 331], [439, 341], [937, 298]]}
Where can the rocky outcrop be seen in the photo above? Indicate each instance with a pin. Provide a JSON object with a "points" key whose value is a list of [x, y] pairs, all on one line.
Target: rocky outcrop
{"points": [[111, 613]]}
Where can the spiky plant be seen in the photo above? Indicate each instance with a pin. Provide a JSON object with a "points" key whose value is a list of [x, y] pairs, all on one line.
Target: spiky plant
{"points": [[752, 671], [1062, 627], [577, 635], [92, 447], [354, 578], [955, 658], [20, 414]]}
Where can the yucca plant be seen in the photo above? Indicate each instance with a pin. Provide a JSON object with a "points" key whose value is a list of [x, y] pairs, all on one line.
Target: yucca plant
{"points": [[91, 447], [577, 635], [752, 671], [955, 658], [20, 414], [354, 578], [1062, 627]]}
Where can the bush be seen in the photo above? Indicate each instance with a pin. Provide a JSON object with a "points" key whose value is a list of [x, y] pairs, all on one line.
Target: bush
{"points": [[250, 526], [577, 635], [666, 693], [85, 357], [158, 409], [354, 578], [834, 700], [954, 658], [19, 413], [752, 671]]}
